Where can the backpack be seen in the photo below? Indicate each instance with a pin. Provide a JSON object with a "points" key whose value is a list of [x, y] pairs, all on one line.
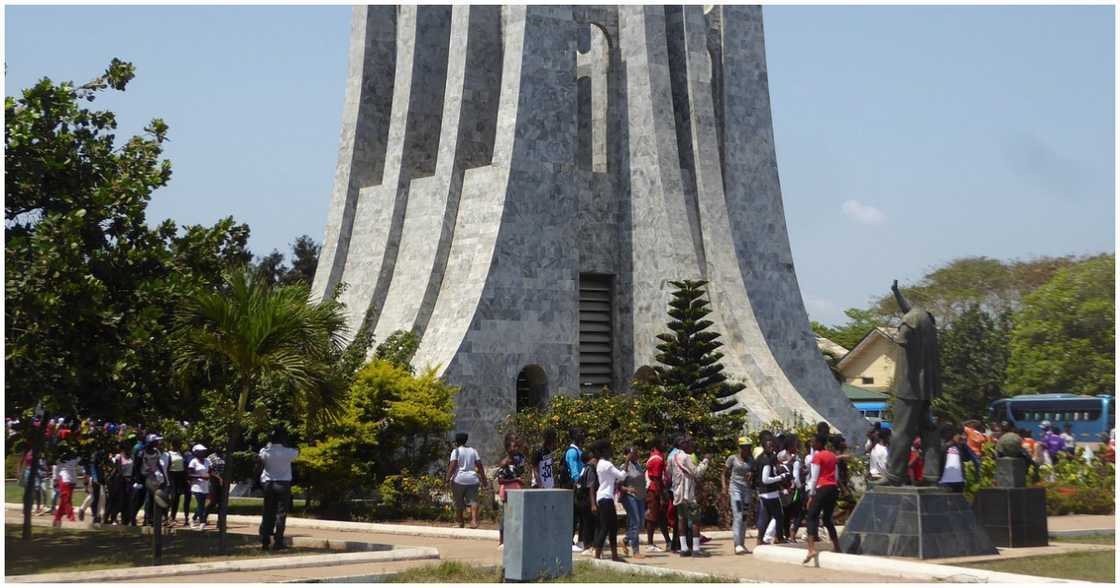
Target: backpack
{"points": [[561, 474]]}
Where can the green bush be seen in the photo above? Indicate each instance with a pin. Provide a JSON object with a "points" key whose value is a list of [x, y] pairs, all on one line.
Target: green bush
{"points": [[391, 423], [1072, 485]]}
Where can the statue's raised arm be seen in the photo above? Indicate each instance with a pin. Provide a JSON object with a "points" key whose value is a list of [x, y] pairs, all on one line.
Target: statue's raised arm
{"points": [[903, 303]]}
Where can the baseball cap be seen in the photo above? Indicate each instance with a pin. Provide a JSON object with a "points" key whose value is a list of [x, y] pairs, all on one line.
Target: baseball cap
{"points": [[744, 442], [198, 448]]}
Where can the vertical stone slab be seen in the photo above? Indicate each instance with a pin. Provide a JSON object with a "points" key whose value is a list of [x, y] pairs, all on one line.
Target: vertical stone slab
{"points": [[365, 130], [538, 531], [758, 225], [662, 243], [469, 120], [423, 35]]}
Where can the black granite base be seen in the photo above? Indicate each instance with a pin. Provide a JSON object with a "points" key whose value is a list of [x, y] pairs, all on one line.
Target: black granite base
{"points": [[1013, 517], [908, 521]]}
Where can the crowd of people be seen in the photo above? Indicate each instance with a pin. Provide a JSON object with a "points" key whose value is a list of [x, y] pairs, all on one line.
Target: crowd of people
{"points": [[966, 444], [133, 470], [780, 485]]}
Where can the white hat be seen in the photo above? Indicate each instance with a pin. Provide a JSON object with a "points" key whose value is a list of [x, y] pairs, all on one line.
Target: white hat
{"points": [[198, 448], [1045, 424]]}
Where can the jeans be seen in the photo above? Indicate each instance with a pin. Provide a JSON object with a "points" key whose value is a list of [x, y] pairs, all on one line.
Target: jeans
{"points": [[608, 525], [635, 516], [200, 509], [275, 516], [740, 503]]}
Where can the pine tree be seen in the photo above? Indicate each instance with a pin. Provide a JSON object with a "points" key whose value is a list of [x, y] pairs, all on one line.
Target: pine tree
{"points": [[689, 356]]}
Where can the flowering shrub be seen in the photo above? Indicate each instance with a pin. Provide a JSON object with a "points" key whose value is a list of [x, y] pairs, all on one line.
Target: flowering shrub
{"points": [[1072, 485]]}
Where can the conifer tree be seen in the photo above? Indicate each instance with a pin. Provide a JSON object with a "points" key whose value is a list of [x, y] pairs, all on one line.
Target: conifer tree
{"points": [[688, 354]]}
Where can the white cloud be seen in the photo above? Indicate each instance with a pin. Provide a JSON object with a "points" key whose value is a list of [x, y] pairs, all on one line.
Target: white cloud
{"points": [[863, 213]]}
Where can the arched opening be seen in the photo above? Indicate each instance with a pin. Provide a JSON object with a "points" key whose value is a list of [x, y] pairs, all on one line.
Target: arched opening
{"points": [[532, 387], [593, 54], [644, 375]]}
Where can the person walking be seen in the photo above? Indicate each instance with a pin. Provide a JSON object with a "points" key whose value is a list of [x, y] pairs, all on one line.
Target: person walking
{"points": [[609, 476], [198, 475], [511, 470], [465, 475], [217, 465], [65, 472], [736, 488], [793, 499], [573, 464], [151, 473], [542, 471], [773, 476], [177, 480], [686, 472], [586, 487], [276, 478], [633, 499], [96, 490], [656, 494], [120, 485], [823, 493], [46, 482]]}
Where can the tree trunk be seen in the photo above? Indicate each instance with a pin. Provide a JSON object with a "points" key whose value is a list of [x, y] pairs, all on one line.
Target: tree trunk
{"points": [[234, 441], [32, 476]]}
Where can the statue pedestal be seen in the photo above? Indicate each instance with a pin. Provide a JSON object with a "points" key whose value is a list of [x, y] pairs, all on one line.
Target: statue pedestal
{"points": [[538, 534], [909, 521], [1013, 517], [1011, 472]]}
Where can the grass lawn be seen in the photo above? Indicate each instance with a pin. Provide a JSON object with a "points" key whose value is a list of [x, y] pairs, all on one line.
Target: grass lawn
{"points": [[1090, 539], [583, 573], [1089, 566], [67, 550]]}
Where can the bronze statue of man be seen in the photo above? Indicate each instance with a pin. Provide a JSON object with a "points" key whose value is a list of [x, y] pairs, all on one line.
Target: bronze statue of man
{"points": [[917, 381]]}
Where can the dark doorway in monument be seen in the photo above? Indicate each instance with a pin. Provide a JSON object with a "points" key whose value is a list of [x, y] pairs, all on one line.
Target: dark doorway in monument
{"points": [[532, 387], [644, 375]]}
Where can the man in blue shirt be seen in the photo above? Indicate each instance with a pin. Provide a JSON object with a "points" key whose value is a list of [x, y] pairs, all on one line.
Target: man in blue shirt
{"points": [[573, 460]]}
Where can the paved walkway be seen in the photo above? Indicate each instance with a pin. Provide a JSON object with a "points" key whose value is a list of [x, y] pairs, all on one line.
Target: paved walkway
{"points": [[722, 562]]}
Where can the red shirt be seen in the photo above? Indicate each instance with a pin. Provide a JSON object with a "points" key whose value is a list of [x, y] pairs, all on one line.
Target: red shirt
{"points": [[655, 467], [827, 462]]}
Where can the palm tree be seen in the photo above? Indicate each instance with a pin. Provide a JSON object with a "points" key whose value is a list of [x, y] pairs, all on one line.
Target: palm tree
{"points": [[260, 332]]}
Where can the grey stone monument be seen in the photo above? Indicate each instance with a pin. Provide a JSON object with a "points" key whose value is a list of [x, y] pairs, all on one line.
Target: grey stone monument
{"points": [[538, 532], [518, 184]]}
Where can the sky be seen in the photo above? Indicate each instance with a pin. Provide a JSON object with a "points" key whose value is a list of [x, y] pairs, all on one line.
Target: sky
{"points": [[906, 136]]}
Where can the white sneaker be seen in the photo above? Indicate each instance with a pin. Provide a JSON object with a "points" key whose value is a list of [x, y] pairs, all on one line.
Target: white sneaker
{"points": [[588, 551], [740, 550], [577, 549], [655, 549], [501, 547]]}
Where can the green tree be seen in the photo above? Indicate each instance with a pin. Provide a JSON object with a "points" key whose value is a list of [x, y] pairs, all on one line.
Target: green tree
{"points": [[262, 332], [305, 258], [974, 353], [77, 244], [398, 349], [688, 354], [1064, 335], [391, 422]]}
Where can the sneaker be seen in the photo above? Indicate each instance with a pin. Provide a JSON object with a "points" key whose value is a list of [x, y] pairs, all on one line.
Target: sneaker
{"points": [[686, 553], [588, 551], [655, 549], [577, 549], [501, 547], [740, 550], [202, 527]]}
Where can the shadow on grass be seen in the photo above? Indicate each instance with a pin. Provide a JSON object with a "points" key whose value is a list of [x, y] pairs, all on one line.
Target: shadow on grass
{"points": [[67, 550]]}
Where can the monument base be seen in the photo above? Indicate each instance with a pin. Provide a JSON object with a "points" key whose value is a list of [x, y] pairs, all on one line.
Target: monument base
{"points": [[909, 521], [1013, 517]]}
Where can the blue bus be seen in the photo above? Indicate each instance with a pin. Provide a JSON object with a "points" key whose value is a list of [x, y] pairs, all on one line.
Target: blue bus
{"points": [[874, 412], [1089, 416]]}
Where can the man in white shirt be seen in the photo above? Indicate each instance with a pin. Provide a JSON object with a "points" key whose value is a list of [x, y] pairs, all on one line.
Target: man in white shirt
{"points": [[198, 476], [878, 456], [276, 478]]}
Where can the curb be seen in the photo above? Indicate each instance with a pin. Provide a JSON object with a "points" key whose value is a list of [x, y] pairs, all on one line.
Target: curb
{"points": [[657, 571], [245, 565], [897, 568], [1081, 533], [386, 528]]}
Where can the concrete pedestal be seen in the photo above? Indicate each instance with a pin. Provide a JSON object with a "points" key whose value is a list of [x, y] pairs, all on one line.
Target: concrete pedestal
{"points": [[1011, 472], [1013, 517], [908, 521], [538, 534]]}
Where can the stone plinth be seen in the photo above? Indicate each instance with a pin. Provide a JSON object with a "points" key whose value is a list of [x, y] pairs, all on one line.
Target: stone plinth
{"points": [[1011, 472], [1013, 517], [908, 521], [538, 534]]}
